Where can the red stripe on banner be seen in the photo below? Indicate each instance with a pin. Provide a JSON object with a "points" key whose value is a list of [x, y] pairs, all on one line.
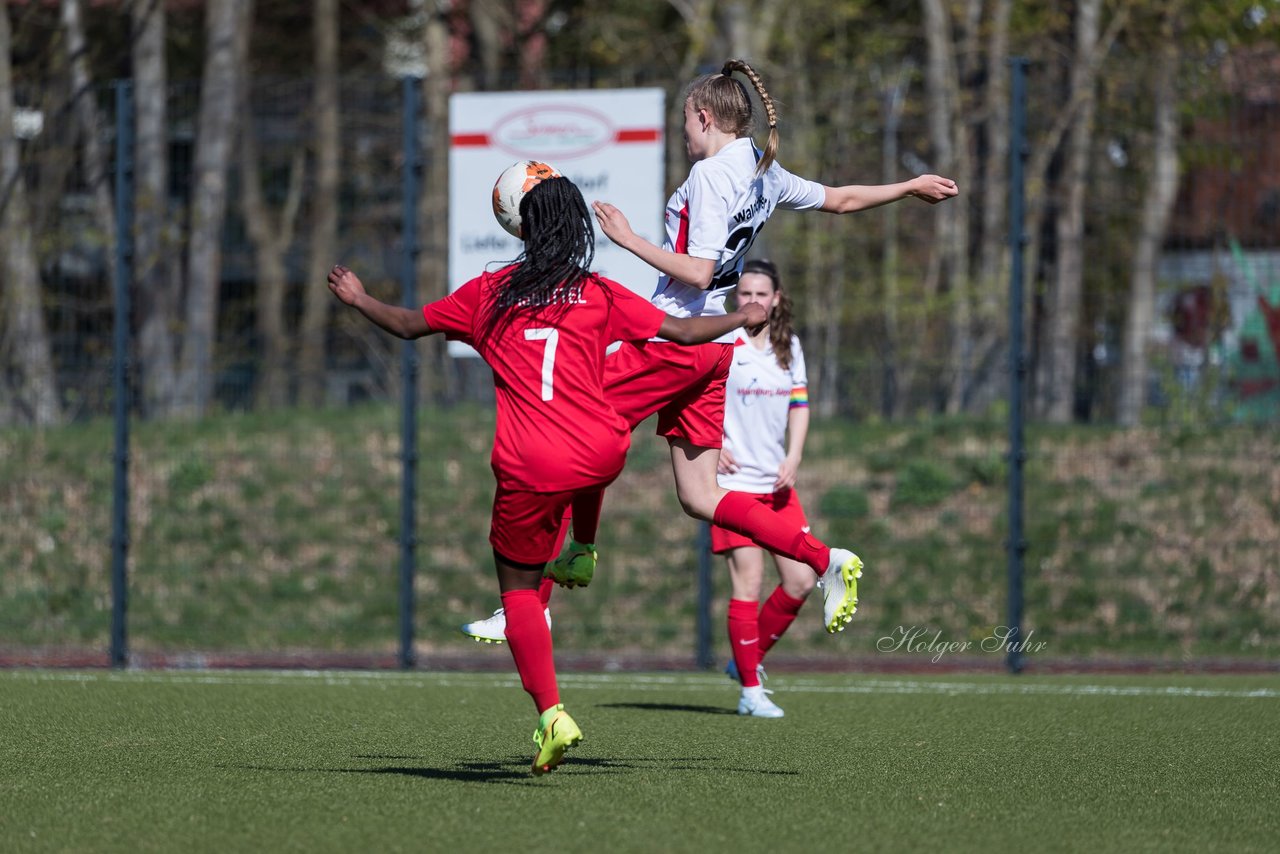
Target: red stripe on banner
{"points": [[482, 140], [638, 135]]}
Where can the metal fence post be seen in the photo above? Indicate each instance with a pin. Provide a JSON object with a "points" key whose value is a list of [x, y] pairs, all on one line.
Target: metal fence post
{"points": [[1017, 545], [120, 373], [409, 370]]}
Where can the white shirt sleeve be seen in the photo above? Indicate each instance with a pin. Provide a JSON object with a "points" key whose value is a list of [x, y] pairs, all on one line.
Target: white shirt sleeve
{"points": [[799, 376], [796, 193]]}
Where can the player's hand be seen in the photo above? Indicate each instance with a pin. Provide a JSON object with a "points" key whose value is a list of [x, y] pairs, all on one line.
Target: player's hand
{"points": [[934, 188], [345, 284], [756, 316], [787, 472], [727, 464], [612, 222]]}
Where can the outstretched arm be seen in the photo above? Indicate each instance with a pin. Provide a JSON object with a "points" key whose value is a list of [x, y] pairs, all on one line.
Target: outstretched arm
{"points": [[858, 197], [686, 268], [399, 321], [700, 330]]}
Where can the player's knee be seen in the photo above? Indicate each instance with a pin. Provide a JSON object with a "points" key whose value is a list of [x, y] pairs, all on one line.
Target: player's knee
{"points": [[698, 506], [799, 588]]}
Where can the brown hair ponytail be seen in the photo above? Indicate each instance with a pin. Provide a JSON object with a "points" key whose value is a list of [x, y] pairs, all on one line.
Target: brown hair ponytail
{"points": [[727, 101], [771, 144]]}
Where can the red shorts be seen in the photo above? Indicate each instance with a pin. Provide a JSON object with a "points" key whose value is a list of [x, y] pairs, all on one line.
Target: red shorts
{"points": [[684, 385], [526, 525], [785, 503]]}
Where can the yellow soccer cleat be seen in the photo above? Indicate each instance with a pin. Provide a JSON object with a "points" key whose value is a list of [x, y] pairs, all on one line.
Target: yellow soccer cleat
{"points": [[553, 740], [575, 567], [840, 589]]}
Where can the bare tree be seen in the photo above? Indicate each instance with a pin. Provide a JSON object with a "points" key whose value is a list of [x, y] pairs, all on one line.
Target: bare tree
{"points": [[892, 98], [699, 26], [437, 374], [156, 286], [30, 372], [993, 254], [324, 205], [1057, 364], [1158, 198], [491, 22], [749, 27], [949, 140], [89, 126], [817, 290], [271, 233], [219, 89]]}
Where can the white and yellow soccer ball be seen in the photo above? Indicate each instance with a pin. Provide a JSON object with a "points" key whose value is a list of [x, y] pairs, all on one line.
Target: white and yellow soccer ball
{"points": [[516, 180]]}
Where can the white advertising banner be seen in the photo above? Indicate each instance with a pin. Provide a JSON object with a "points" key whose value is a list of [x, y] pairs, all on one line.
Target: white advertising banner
{"points": [[607, 141]]}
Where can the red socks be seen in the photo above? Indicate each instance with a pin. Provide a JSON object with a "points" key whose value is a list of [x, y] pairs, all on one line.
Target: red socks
{"points": [[530, 642], [744, 635], [548, 584], [776, 616], [545, 586], [743, 514]]}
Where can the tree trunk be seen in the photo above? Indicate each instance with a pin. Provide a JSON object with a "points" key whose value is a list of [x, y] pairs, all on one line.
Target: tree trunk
{"points": [[491, 22], [1057, 365], [891, 104], [272, 235], [1043, 150], [437, 377], [89, 125], [219, 86], [990, 283], [1157, 205], [697, 15], [34, 398], [948, 138], [156, 287], [324, 205], [749, 28]]}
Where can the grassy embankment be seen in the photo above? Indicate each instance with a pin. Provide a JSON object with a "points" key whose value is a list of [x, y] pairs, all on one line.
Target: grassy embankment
{"points": [[279, 532]]}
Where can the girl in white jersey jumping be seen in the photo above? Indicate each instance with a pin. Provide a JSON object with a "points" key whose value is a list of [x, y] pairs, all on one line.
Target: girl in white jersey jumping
{"points": [[711, 222], [766, 420]]}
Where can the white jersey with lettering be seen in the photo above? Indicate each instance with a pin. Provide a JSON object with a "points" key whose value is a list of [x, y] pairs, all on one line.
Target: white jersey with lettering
{"points": [[717, 213], [758, 399]]}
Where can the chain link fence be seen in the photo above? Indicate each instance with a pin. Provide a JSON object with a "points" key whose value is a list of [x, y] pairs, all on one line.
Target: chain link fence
{"points": [[269, 525]]}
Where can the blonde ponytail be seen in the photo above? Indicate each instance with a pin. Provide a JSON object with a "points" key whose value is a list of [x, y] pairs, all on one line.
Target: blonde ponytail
{"points": [[727, 101], [771, 115]]}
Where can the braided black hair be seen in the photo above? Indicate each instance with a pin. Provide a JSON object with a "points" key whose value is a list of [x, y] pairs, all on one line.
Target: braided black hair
{"points": [[559, 247]]}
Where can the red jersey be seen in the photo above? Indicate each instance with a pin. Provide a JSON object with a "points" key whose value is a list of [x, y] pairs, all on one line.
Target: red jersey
{"points": [[554, 432]]}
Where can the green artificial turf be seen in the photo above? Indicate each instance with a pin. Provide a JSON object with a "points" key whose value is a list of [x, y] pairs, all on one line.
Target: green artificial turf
{"points": [[384, 761]]}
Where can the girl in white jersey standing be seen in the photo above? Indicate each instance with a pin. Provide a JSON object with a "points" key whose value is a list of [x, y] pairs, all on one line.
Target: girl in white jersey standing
{"points": [[711, 222], [766, 420]]}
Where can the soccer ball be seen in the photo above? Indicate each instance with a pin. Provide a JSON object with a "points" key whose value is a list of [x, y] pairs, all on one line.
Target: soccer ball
{"points": [[516, 180]]}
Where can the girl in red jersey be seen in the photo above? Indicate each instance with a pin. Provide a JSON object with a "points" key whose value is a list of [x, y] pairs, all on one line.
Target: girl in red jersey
{"points": [[542, 324]]}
